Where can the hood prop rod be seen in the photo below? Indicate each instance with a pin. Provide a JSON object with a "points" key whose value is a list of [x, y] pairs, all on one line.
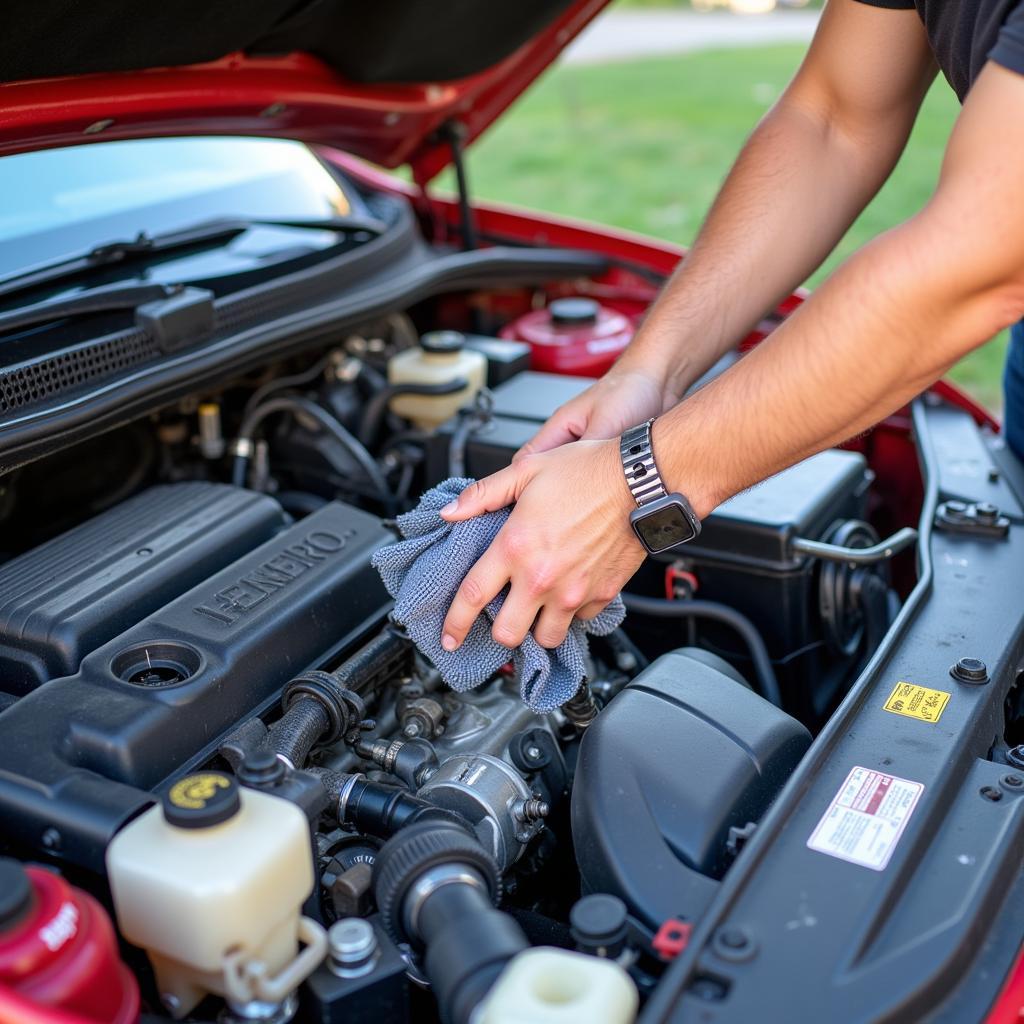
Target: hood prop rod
{"points": [[454, 132]]}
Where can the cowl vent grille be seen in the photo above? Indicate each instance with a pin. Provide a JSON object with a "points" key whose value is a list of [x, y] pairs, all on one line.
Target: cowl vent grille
{"points": [[47, 378]]}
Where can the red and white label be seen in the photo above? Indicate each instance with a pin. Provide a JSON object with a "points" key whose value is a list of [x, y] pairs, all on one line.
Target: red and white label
{"points": [[866, 818]]}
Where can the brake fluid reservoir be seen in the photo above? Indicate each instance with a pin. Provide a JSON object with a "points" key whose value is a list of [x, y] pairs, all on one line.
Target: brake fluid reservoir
{"points": [[440, 358], [211, 885]]}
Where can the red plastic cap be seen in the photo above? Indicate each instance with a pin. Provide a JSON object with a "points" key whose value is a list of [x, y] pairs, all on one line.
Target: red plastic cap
{"points": [[672, 938]]}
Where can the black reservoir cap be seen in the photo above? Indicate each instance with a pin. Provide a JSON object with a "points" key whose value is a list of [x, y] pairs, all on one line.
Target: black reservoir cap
{"points": [[574, 312], [599, 922], [201, 800], [442, 342], [16, 894]]}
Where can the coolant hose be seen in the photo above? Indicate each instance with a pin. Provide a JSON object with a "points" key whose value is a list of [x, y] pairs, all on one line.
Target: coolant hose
{"points": [[436, 888], [293, 735], [659, 607], [304, 407]]}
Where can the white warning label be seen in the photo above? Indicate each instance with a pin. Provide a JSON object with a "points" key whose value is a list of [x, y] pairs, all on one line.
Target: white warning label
{"points": [[864, 822]]}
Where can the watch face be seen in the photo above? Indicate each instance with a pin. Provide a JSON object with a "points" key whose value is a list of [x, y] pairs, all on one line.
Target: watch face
{"points": [[662, 528]]}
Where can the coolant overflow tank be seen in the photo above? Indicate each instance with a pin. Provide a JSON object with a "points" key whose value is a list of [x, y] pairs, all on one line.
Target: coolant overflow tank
{"points": [[439, 359], [212, 883], [680, 755]]}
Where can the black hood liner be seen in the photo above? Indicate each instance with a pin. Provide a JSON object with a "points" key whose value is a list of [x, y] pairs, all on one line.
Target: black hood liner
{"points": [[400, 41]]}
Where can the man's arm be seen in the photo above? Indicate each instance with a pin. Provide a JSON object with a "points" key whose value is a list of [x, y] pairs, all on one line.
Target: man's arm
{"points": [[892, 319], [811, 165], [887, 324]]}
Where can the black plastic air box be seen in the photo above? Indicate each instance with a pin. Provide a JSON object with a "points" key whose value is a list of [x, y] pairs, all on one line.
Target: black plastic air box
{"points": [[680, 755], [65, 598]]}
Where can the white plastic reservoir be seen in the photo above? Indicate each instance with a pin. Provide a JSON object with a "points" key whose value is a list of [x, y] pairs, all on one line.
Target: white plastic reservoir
{"points": [[211, 882], [438, 359]]}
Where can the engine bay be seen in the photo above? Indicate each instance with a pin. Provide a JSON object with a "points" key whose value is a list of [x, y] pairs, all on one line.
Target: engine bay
{"points": [[232, 789], [214, 633]]}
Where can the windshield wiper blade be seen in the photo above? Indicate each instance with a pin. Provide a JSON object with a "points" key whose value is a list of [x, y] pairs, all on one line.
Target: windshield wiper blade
{"points": [[145, 246]]}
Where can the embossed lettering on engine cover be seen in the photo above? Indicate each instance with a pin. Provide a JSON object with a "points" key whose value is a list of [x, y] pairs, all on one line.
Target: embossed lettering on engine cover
{"points": [[230, 603]]}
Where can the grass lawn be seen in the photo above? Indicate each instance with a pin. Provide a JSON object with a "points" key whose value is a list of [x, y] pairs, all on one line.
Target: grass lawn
{"points": [[645, 144]]}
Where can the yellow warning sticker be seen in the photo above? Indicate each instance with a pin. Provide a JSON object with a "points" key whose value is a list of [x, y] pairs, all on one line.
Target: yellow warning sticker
{"points": [[917, 702]]}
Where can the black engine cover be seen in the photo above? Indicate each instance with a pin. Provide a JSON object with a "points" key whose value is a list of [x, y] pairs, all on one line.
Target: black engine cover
{"points": [[80, 755], [64, 598]]}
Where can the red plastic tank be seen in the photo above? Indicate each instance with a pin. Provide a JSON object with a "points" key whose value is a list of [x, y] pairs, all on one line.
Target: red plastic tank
{"points": [[58, 949], [572, 335]]}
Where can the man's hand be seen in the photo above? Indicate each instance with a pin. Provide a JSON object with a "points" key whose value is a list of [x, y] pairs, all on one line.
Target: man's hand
{"points": [[567, 548], [621, 399]]}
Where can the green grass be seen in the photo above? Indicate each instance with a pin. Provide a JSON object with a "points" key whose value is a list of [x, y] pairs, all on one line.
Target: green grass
{"points": [[645, 145]]}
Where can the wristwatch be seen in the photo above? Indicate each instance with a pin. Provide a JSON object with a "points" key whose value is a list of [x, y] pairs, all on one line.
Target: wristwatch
{"points": [[660, 520]]}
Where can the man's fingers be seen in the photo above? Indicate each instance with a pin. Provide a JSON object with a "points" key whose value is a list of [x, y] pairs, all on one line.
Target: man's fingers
{"points": [[516, 617], [552, 626], [561, 429], [487, 495], [484, 582], [591, 610]]}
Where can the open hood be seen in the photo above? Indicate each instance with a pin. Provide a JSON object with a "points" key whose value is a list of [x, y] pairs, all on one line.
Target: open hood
{"points": [[380, 80]]}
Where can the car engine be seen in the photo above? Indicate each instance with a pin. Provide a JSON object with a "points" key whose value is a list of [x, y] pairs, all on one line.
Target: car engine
{"points": [[210, 726]]}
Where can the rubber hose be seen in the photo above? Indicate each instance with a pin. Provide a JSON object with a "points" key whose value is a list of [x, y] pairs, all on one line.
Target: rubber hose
{"points": [[294, 734], [377, 809], [295, 404], [659, 607]]}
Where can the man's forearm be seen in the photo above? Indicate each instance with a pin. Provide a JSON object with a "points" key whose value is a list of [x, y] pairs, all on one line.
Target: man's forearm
{"points": [[887, 324], [795, 189], [892, 320]]}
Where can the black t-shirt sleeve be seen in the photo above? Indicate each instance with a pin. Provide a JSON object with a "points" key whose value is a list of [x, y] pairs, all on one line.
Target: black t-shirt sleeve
{"points": [[1009, 48], [892, 5]]}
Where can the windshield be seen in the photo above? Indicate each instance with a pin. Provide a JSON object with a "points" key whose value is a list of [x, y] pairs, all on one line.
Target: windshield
{"points": [[70, 200]]}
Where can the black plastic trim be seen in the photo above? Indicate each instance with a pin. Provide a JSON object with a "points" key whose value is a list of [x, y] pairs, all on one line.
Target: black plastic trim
{"points": [[390, 272]]}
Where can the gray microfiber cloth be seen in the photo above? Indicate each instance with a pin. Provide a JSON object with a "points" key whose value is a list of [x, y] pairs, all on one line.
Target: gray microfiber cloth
{"points": [[424, 571]]}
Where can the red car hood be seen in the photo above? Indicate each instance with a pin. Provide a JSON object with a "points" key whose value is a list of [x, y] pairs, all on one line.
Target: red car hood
{"points": [[380, 80]]}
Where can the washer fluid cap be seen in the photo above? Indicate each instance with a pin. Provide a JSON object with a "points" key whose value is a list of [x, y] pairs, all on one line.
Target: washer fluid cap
{"points": [[201, 800]]}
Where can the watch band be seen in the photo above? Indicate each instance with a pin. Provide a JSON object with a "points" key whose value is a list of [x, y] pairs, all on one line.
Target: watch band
{"points": [[642, 476]]}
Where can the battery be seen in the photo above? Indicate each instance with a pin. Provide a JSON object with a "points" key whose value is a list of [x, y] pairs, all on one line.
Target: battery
{"points": [[742, 558]]}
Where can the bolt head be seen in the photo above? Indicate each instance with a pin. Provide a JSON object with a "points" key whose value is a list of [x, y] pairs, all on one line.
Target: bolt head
{"points": [[351, 940], [970, 670]]}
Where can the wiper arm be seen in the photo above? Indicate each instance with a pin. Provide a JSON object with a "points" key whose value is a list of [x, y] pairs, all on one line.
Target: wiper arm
{"points": [[95, 300], [173, 314], [144, 246]]}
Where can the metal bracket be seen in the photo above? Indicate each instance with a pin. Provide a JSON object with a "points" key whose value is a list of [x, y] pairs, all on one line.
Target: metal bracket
{"points": [[980, 519]]}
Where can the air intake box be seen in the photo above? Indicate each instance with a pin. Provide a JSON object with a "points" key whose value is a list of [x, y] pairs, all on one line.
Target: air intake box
{"points": [[680, 755]]}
